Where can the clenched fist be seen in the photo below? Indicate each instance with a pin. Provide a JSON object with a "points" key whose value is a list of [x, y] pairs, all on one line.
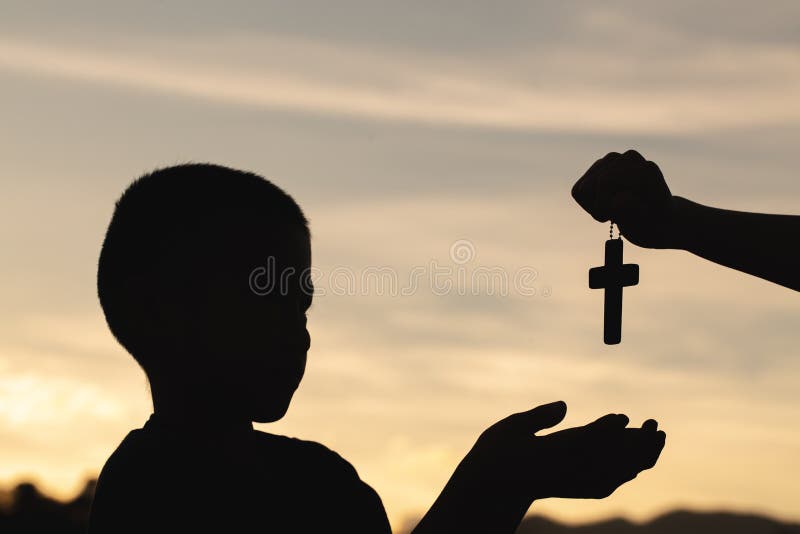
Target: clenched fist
{"points": [[630, 191]]}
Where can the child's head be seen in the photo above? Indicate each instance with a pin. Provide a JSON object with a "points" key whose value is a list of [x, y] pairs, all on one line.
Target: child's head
{"points": [[176, 282]]}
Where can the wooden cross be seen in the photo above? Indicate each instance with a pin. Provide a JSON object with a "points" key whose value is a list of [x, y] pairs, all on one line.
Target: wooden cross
{"points": [[612, 277]]}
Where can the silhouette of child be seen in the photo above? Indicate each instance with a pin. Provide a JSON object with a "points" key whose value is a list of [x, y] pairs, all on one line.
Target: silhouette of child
{"points": [[175, 283]]}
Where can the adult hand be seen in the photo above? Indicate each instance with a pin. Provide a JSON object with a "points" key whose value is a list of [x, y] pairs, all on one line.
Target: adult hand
{"points": [[630, 191]]}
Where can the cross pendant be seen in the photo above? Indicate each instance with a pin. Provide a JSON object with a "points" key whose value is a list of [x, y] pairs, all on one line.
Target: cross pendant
{"points": [[612, 277]]}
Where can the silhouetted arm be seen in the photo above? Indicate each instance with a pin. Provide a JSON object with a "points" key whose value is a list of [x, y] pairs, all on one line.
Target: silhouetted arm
{"points": [[631, 191], [510, 467], [465, 509], [764, 245]]}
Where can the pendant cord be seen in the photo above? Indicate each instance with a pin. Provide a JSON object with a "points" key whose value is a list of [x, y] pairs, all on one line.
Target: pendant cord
{"points": [[611, 231]]}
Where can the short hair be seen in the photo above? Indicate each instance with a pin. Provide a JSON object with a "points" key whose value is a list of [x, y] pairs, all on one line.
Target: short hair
{"points": [[176, 218]]}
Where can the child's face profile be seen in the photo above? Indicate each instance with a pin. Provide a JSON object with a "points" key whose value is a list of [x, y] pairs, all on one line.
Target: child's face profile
{"points": [[257, 335]]}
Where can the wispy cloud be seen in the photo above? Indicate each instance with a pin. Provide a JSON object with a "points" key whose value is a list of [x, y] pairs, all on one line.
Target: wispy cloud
{"points": [[606, 95]]}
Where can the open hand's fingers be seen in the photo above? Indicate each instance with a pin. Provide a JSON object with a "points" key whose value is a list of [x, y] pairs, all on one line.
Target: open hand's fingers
{"points": [[651, 425], [641, 448], [539, 418], [609, 421]]}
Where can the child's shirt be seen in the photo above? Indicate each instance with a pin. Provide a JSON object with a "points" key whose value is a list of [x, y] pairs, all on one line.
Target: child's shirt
{"points": [[168, 477]]}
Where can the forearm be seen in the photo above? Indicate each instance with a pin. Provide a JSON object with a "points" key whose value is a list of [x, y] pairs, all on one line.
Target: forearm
{"points": [[763, 245], [464, 507]]}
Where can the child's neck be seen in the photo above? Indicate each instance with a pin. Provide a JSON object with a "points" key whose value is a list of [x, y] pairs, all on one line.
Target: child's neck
{"points": [[189, 407]]}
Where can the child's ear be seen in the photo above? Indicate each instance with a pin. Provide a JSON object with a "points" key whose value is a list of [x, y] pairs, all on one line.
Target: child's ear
{"points": [[151, 313]]}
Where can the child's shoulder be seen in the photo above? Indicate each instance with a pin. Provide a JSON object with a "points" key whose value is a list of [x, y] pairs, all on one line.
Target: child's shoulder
{"points": [[150, 445], [310, 454], [158, 470]]}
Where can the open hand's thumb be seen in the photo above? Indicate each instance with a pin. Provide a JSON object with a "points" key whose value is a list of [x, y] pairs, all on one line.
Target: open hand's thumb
{"points": [[541, 417]]}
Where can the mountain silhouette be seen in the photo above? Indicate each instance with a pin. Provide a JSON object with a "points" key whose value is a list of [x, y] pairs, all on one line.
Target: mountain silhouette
{"points": [[677, 522]]}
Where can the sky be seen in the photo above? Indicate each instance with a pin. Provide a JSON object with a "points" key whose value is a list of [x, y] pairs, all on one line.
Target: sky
{"points": [[418, 135]]}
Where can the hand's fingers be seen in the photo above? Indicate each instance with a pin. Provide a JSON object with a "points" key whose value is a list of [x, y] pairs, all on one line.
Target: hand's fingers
{"points": [[612, 420], [539, 418], [634, 156], [651, 425], [580, 191], [585, 189], [641, 448], [620, 186], [657, 443], [642, 179]]}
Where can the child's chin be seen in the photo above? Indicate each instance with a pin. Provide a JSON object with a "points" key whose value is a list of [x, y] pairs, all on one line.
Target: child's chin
{"points": [[268, 418], [271, 413]]}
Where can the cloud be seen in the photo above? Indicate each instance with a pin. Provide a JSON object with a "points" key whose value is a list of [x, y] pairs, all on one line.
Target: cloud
{"points": [[32, 400], [303, 76]]}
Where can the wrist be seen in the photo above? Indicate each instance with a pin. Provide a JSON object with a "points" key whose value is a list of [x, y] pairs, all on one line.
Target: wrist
{"points": [[469, 507], [679, 225]]}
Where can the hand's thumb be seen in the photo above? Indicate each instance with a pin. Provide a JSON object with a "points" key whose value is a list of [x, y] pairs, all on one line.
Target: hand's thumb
{"points": [[541, 417]]}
